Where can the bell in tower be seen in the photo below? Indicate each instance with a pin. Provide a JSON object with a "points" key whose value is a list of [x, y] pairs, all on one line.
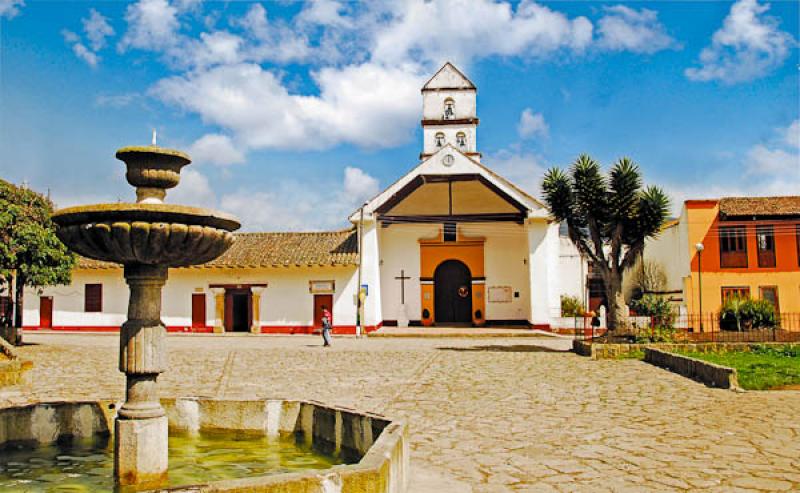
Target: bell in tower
{"points": [[449, 113]]}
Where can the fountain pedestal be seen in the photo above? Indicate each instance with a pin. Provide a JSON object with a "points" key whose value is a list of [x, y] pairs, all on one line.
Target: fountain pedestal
{"points": [[140, 432], [147, 237]]}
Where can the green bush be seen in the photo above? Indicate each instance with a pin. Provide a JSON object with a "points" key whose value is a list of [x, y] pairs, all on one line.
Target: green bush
{"points": [[657, 334], [571, 306], [656, 307], [747, 314]]}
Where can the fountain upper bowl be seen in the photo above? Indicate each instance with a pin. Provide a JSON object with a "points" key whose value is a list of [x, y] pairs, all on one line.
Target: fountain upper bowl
{"points": [[154, 234]]}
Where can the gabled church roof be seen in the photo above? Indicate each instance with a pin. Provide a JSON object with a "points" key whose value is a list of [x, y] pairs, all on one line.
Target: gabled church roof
{"points": [[448, 77], [462, 165]]}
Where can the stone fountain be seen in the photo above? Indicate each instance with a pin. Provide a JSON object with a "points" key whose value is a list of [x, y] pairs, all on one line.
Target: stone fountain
{"points": [[147, 238]]}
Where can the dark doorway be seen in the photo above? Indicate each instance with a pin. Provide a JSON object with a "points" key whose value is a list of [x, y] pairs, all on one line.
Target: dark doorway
{"points": [[238, 310], [452, 293], [198, 310], [320, 301], [46, 312]]}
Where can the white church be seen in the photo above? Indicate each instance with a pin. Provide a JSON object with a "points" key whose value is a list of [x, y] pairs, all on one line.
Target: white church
{"points": [[450, 243]]}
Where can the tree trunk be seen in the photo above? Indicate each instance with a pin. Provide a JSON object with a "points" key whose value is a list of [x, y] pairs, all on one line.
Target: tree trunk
{"points": [[19, 295], [613, 289]]}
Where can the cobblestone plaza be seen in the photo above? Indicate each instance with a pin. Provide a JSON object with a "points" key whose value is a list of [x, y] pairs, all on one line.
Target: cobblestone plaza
{"points": [[486, 415]]}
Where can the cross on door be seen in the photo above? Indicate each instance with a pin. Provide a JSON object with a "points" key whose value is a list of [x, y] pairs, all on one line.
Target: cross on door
{"points": [[402, 278]]}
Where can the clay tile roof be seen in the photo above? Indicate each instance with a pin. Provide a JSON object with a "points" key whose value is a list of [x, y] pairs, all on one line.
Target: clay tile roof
{"points": [[760, 206], [278, 250]]}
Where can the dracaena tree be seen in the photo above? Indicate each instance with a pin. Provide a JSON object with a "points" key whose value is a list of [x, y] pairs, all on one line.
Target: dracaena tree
{"points": [[608, 217]]}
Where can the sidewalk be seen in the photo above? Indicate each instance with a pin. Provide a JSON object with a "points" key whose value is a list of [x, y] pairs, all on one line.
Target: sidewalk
{"points": [[444, 332]]}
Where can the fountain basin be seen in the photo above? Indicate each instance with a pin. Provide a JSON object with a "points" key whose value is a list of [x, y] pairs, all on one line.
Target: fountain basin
{"points": [[371, 450], [155, 234]]}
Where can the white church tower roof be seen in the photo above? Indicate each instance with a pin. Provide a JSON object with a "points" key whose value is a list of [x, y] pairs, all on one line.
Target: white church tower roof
{"points": [[449, 113]]}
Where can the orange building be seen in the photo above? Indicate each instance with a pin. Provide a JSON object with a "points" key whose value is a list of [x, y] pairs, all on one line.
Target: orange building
{"points": [[745, 246]]}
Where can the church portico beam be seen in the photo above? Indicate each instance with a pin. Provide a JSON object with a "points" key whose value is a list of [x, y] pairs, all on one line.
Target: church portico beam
{"points": [[388, 220]]}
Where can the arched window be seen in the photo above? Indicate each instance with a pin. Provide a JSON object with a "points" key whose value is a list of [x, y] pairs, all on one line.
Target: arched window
{"points": [[439, 139], [449, 109], [461, 139]]}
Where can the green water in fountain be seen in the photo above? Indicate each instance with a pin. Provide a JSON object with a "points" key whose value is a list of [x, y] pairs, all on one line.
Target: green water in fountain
{"points": [[193, 459]]}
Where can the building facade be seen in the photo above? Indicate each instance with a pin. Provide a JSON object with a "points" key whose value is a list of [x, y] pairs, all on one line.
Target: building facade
{"points": [[750, 248], [449, 243]]}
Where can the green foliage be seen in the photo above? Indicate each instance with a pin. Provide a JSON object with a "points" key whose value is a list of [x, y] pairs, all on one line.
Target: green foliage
{"points": [[571, 306], [29, 248], [608, 218], [740, 314], [761, 368], [657, 334], [656, 307]]}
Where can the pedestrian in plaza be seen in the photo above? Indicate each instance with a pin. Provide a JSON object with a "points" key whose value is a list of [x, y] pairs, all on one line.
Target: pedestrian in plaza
{"points": [[326, 326]]}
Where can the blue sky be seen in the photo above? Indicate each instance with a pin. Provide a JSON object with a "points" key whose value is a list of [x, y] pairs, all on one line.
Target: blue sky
{"points": [[296, 112]]}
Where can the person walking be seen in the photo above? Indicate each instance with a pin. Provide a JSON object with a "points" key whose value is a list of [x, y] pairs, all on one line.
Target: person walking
{"points": [[326, 326]]}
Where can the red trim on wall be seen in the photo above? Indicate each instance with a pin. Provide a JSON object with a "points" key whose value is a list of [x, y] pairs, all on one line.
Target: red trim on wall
{"points": [[545, 327], [271, 329], [115, 328]]}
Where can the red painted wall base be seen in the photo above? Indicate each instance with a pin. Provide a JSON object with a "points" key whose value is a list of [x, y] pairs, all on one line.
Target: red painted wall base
{"points": [[275, 329]]}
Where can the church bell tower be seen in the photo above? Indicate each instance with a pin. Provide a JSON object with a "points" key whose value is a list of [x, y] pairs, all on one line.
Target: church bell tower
{"points": [[449, 114]]}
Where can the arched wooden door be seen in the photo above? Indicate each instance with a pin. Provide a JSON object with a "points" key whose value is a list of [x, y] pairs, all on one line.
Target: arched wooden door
{"points": [[452, 293]]}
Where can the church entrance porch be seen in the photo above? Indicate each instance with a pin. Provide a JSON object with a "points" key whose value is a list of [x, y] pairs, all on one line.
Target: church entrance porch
{"points": [[452, 285]]}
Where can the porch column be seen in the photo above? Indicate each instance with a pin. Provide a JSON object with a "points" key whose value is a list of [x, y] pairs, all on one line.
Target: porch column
{"points": [[219, 310], [255, 328], [371, 273]]}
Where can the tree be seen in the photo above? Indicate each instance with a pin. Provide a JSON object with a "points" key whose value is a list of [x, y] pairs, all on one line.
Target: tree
{"points": [[649, 276], [30, 253], [608, 218]]}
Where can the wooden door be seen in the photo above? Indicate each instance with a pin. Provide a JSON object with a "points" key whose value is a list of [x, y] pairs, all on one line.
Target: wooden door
{"points": [[198, 310], [452, 293], [322, 301], [46, 312]]}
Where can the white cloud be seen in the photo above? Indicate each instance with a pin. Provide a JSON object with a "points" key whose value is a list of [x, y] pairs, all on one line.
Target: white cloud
{"points": [[769, 169], [116, 100], [325, 13], [461, 30], [762, 160], [193, 189], [152, 25], [792, 134], [532, 124], [97, 29], [85, 54], [359, 185], [10, 8], [748, 46], [523, 169], [624, 28], [272, 41], [367, 105], [299, 206], [215, 149]]}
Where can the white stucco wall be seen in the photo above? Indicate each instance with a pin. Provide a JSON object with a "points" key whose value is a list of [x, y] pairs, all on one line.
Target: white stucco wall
{"points": [[572, 270], [543, 259], [505, 264], [399, 246], [285, 302], [670, 250]]}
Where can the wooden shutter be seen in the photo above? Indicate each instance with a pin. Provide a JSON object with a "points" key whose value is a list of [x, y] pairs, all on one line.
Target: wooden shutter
{"points": [[93, 298]]}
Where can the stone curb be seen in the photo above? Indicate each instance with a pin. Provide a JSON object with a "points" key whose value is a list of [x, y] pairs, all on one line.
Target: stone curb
{"points": [[710, 374]]}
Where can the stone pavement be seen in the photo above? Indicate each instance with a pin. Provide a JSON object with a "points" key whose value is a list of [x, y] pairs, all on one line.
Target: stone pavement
{"points": [[486, 415]]}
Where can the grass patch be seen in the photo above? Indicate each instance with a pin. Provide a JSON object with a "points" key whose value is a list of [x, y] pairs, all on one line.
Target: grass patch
{"points": [[633, 354], [761, 368]]}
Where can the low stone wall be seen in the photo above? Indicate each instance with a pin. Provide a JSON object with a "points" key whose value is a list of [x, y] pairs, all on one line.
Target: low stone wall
{"points": [[45, 424], [611, 351], [12, 368], [375, 449], [708, 373]]}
